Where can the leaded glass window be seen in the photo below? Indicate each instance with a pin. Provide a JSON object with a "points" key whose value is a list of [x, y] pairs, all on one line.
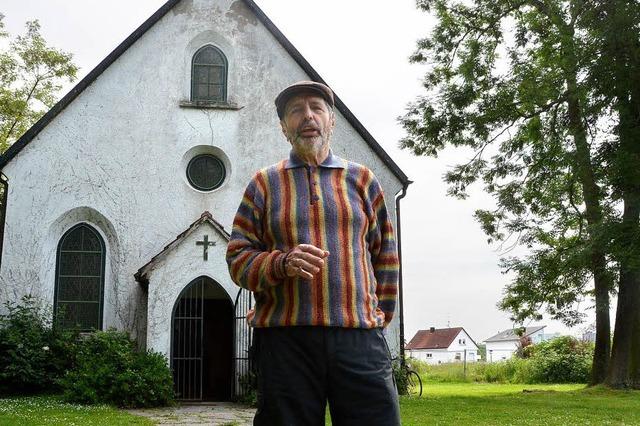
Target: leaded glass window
{"points": [[80, 279], [206, 172], [209, 75]]}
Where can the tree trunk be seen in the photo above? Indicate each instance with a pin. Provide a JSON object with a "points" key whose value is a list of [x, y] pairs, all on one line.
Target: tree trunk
{"points": [[626, 329], [592, 197]]}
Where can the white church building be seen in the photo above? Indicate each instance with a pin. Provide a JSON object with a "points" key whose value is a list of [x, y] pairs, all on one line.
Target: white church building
{"points": [[118, 203]]}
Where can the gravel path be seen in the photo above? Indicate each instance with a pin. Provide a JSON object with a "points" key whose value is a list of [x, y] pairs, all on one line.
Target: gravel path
{"points": [[215, 413]]}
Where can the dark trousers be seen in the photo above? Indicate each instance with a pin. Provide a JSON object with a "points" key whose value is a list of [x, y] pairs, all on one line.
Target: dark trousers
{"points": [[301, 368]]}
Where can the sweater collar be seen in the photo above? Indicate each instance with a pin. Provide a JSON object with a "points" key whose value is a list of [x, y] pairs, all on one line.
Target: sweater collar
{"points": [[331, 162]]}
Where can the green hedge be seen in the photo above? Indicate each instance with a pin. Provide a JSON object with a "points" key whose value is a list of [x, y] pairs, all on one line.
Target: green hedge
{"points": [[561, 360], [110, 370], [102, 367], [34, 355]]}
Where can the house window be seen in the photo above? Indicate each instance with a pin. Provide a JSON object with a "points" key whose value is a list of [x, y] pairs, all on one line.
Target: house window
{"points": [[209, 75], [79, 289], [206, 172], [458, 356], [429, 355]]}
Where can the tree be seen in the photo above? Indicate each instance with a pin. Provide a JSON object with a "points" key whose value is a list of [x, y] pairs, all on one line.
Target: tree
{"points": [[30, 77], [510, 80], [616, 77]]}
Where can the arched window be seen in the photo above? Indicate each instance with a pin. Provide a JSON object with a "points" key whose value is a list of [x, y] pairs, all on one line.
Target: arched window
{"points": [[79, 290], [209, 75]]}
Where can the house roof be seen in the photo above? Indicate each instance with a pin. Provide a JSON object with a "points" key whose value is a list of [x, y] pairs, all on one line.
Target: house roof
{"points": [[511, 335], [30, 134], [206, 217], [435, 338]]}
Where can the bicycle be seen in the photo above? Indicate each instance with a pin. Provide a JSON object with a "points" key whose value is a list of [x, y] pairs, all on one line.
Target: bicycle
{"points": [[413, 380]]}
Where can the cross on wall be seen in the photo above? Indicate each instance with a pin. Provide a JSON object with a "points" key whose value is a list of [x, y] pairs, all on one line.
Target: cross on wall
{"points": [[206, 243]]}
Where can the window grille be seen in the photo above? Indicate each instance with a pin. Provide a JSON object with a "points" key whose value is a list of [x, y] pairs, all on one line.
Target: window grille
{"points": [[209, 75], [79, 288], [206, 172]]}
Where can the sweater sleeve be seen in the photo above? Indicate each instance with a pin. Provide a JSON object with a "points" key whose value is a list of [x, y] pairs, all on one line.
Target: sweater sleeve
{"points": [[384, 253], [251, 265]]}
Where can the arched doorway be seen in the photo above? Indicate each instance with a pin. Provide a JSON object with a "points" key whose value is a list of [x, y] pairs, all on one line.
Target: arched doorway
{"points": [[202, 342]]}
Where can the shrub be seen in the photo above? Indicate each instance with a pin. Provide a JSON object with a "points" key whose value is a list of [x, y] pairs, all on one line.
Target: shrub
{"points": [[401, 378], [33, 354], [109, 370], [562, 360]]}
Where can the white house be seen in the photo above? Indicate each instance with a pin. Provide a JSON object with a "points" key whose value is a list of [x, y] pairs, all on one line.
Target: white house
{"points": [[119, 202], [436, 346], [504, 344]]}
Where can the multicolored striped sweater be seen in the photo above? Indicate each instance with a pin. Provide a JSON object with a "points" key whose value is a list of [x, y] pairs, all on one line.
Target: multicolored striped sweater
{"points": [[337, 206]]}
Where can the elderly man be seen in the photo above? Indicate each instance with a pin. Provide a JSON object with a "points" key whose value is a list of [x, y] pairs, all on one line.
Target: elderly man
{"points": [[313, 241]]}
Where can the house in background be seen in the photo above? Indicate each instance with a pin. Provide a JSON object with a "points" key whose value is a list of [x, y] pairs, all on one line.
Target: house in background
{"points": [[504, 344], [436, 346]]}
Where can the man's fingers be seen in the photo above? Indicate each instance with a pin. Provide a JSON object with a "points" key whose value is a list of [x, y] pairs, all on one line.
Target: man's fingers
{"points": [[311, 259], [310, 248], [308, 266]]}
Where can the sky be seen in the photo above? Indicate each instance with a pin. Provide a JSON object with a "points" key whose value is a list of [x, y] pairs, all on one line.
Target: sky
{"points": [[361, 49]]}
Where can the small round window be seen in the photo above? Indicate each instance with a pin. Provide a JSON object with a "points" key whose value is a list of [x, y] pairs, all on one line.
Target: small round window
{"points": [[205, 172]]}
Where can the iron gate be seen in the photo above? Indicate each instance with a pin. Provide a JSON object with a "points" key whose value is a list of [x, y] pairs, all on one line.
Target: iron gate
{"points": [[187, 342], [242, 368]]}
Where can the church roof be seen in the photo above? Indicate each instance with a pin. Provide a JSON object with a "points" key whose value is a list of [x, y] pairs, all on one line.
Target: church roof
{"points": [[206, 217], [30, 134]]}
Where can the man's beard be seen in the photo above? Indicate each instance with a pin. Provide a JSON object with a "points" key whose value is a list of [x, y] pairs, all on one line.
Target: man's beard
{"points": [[313, 145]]}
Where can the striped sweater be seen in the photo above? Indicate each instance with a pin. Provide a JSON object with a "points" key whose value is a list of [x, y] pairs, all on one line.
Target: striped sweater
{"points": [[337, 206]]}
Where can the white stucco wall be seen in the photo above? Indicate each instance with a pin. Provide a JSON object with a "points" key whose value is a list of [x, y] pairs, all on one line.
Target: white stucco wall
{"points": [[499, 351], [115, 157]]}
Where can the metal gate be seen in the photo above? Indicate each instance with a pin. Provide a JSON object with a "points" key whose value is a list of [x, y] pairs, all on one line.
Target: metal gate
{"points": [[187, 342], [242, 369]]}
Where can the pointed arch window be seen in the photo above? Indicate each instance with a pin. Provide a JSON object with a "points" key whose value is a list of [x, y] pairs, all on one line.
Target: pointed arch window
{"points": [[209, 75], [79, 289]]}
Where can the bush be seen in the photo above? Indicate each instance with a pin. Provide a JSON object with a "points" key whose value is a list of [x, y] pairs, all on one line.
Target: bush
{"points": [[33, 355], [401, 378], [109, 370], [562, 360]]}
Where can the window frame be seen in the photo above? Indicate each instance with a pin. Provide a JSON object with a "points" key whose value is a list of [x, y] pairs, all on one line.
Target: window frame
{"points": [[102, 277], [225, 75], [218, 160]]}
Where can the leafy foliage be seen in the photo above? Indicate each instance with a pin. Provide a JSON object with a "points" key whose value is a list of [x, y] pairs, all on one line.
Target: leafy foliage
{"points": [[33, 354], [109, 370], [30, 77], [561, 360], [506, 79]]}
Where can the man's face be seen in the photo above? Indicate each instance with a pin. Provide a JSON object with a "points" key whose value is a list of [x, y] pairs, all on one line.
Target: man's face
{"points": [[308, 124]]}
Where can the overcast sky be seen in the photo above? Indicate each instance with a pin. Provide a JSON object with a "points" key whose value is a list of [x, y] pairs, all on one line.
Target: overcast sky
{"points": [[361, 49]]}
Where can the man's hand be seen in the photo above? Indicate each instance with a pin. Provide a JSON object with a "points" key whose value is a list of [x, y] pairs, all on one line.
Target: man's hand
{"points": [[305, 261]]}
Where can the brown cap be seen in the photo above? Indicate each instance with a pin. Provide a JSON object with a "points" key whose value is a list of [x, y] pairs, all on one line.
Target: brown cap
{"points": [[300, 87]]}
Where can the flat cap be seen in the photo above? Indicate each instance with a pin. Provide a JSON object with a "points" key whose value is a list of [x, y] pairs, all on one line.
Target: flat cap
{"points": [[301, 87]]}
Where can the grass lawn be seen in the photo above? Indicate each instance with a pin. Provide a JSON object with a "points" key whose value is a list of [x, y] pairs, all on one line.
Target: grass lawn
{"points": [[505, 404], [440, 404], [48, 410]]}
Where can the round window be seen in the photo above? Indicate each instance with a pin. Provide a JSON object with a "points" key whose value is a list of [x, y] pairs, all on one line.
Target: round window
{"points": [[205, 172]]}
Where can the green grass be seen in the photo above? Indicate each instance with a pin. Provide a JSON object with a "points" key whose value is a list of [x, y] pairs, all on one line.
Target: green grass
{"points": [[50, 410], [507, 404], [440, 404]]}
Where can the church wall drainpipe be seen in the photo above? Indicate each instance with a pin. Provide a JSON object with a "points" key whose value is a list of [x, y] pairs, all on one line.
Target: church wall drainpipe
{"points": [[400, 288], [4, 189]]}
